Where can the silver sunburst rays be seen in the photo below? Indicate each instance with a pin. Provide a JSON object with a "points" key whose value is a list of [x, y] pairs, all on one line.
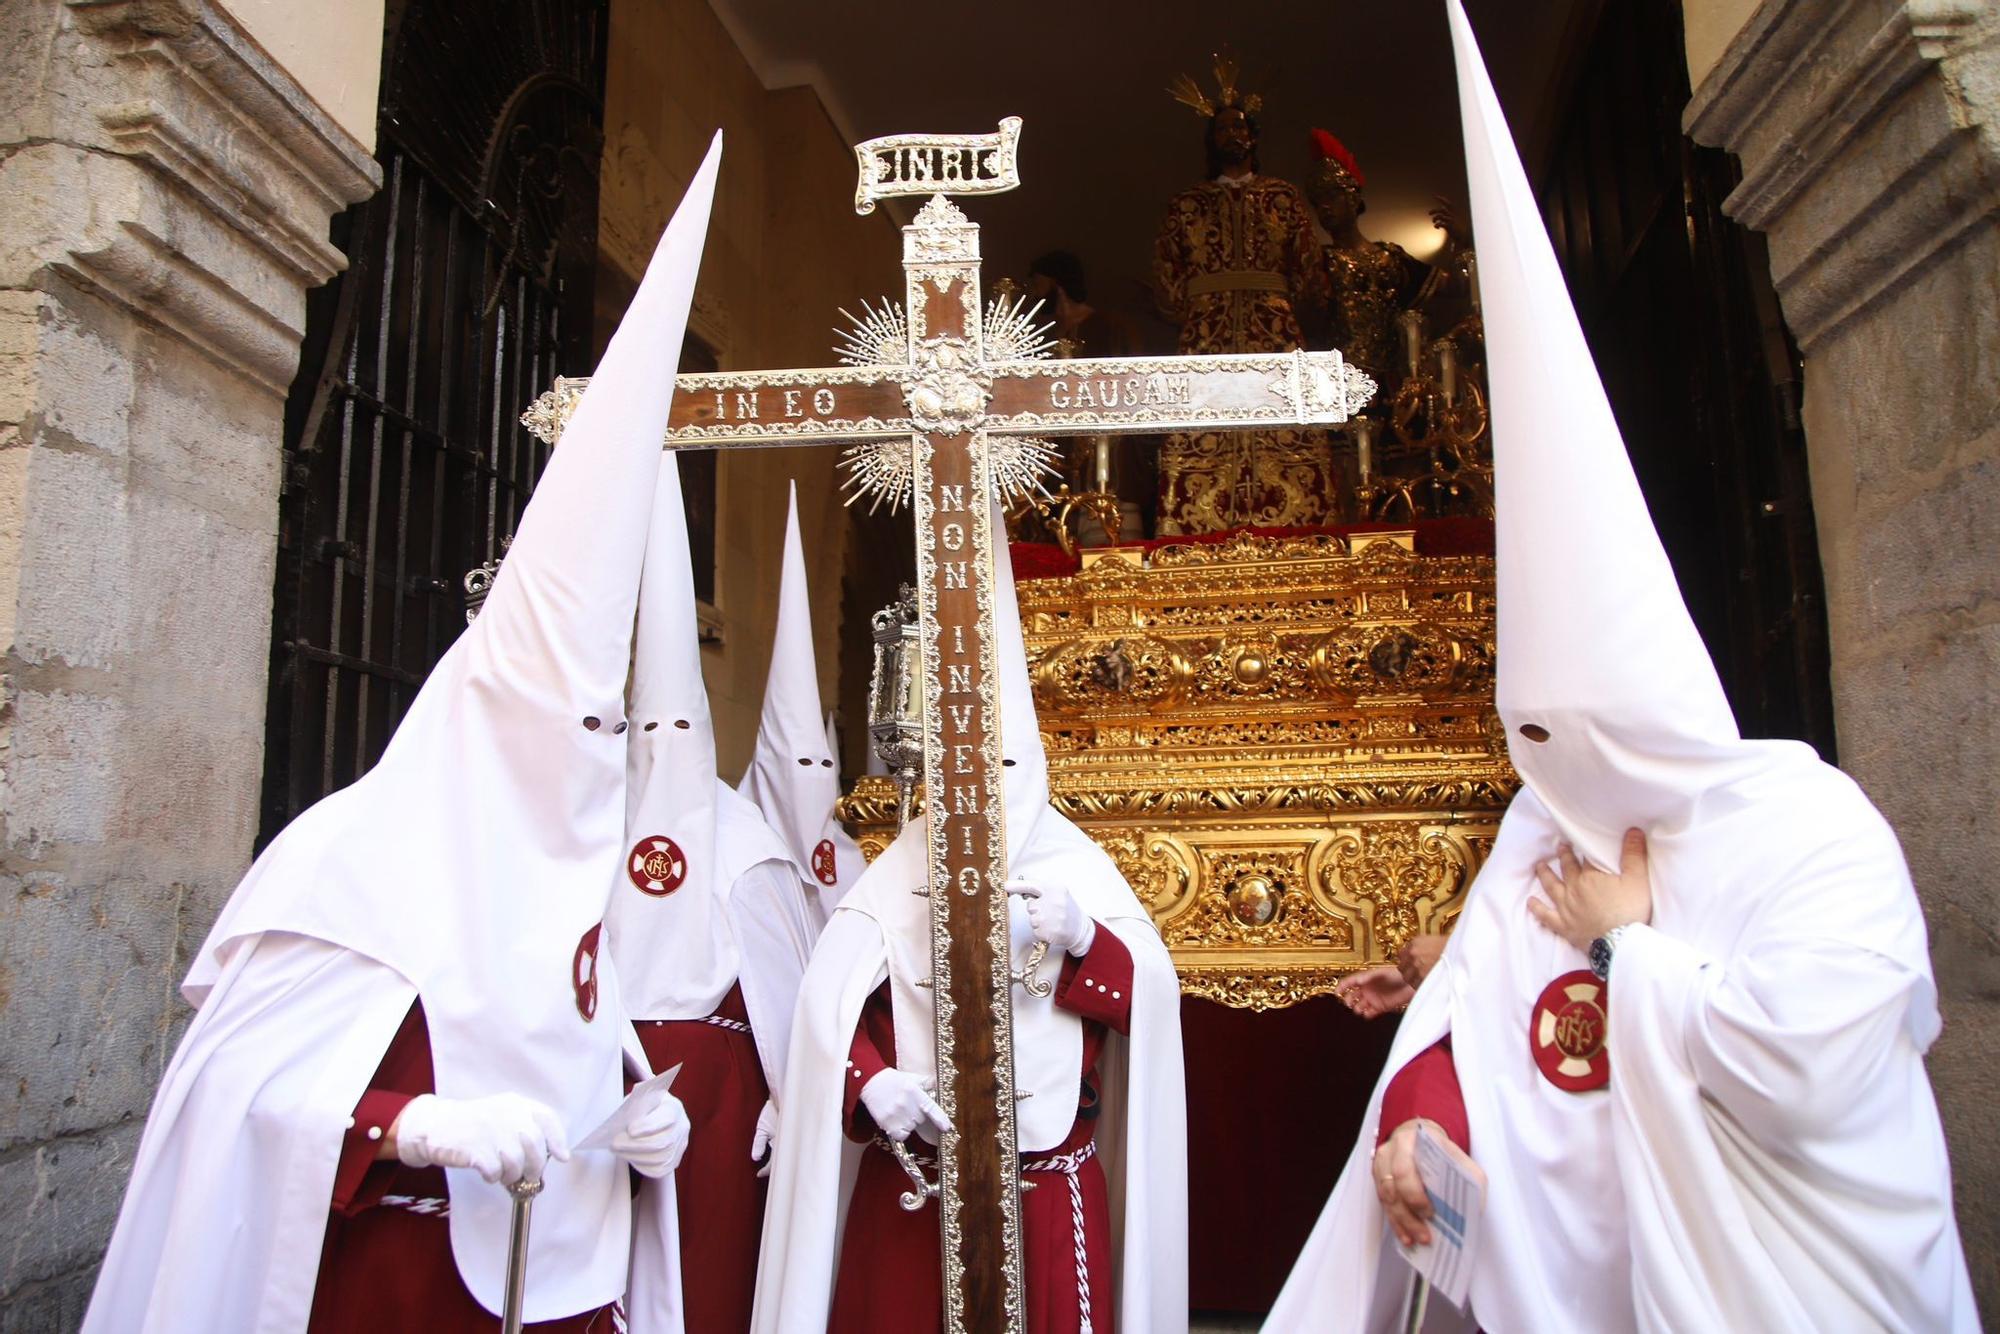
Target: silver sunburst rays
{"points": [[876, 337], [1013, 333], [1021, 464], [880, 471]]}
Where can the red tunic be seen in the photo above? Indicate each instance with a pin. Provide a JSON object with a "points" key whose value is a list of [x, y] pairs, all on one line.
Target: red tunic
{"points": [[889, 1280], [1427, 1087], [383, 1266], [720, 1196]]}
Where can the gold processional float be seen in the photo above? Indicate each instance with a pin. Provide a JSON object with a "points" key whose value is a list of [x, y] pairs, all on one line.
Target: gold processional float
{"points": [[1287, 743]]}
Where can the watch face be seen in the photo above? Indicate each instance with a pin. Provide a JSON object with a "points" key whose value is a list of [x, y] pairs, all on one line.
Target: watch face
{"points": [[1600, 957]]}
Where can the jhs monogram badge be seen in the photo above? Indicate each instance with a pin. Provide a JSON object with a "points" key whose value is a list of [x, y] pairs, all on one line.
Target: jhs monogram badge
{"points": [[657, 866], [1567, 1034]]}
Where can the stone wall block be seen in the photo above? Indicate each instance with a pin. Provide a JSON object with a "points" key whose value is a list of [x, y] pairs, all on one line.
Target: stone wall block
{"points": [[58, 790], [93, 971], [1891, 416], [199, 433], [61, 1197], [54, 1306], [84, 380], [165, 200], [1945, 681], [1931, 556], [77, 523]]}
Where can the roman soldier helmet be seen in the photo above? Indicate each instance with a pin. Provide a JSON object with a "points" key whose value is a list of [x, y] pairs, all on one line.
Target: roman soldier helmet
{"points": [[1334, 170]]}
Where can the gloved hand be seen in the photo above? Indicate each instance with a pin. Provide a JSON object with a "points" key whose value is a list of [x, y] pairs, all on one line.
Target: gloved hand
{"points": [[504, 1137], [1056, 916], [899, 1102], [655, 1139], [764, 1136]]}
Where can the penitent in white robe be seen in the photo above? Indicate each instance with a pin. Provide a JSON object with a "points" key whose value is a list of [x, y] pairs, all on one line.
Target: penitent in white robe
{"points": [[1767, 1154]]}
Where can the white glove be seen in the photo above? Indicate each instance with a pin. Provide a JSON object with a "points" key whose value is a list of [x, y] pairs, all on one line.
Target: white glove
{"points": [[764, 1136], [1056, 916], [654, 1141], [899, 1102], [504, 1137]]}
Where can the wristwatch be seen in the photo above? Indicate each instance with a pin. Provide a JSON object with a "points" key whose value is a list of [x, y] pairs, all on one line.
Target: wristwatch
{"points": [[1602, 949]]}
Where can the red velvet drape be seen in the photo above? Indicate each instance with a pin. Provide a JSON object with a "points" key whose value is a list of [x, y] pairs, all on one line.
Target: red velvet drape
{"points": [[1275, 1100]]}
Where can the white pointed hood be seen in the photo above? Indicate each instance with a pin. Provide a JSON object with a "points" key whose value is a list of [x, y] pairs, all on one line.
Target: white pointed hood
{"points": [[1596, 648], [668, 927], [476, 857], [793, 777], [1596, 652], [693, 913]]}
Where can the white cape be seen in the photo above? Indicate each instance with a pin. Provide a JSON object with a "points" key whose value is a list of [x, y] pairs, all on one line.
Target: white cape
{"points": [[249, 1150], [1141, 1131], [1553, 1254]]}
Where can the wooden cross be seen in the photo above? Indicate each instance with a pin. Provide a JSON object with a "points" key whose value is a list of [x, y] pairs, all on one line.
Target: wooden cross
{"points": [[935, 401]]}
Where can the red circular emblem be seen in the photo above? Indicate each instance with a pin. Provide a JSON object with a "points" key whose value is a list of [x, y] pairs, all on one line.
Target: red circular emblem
{"points": [[657, 866], [823, 863], [583, 973], [1566, 1036]]}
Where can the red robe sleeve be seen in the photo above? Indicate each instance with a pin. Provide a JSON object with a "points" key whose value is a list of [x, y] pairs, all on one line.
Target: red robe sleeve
{"points": [[865, 1060], [1099, 985], [360, 1180], [1427, 1087]]}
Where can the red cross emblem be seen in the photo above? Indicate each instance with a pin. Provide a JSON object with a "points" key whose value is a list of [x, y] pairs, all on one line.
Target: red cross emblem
{"points": [[657, 866], [1566, 1036], [823, 863], [583, 973]]}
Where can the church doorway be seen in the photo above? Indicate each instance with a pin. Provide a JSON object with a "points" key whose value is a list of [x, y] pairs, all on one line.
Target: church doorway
{"points": [[1225, 714]]}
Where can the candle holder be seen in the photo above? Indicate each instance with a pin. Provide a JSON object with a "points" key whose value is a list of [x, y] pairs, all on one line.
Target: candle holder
{"points": [[1368, 488], [1051, 513], [1439, 421]]}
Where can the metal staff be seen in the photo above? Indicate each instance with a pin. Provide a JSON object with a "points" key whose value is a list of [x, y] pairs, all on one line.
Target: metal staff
{"points": [[524, 1193], [1419, 1304]]}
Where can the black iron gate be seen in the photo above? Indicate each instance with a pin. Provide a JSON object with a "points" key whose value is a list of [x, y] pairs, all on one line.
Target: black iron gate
{"points": [[468, 288]]}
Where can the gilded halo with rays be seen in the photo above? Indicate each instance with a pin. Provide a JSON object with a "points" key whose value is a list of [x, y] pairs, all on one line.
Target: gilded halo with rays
{"points": [[880, 471]]}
